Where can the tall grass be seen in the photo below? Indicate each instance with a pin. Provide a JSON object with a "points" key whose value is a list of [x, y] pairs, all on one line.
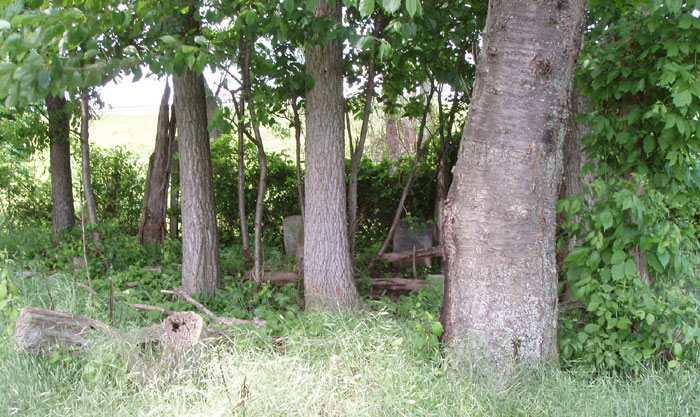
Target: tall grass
{"points": [[324, 366]]}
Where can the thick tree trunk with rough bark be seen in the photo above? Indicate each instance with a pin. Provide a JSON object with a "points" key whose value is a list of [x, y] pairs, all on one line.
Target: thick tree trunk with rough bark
{"points": [[85, 149], [201, 270], [152, 225], [63, 212], [500, 301], [328, 278]]}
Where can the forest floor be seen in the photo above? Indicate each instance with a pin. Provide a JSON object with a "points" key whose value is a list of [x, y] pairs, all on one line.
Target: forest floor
{"points": [[377, 363]]}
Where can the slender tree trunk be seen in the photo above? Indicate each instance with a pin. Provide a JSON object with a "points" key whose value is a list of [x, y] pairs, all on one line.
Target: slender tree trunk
{"points": [[63, 211], [443, 171], [297, 140], [174, 180], [262, 177], [328, 279], [500, 301], [201, 270], [152, 225], [245, 238], [85, 149], [359, 149], [409, 181]]}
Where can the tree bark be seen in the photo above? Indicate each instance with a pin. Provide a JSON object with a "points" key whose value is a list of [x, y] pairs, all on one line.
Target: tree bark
{"points": [[63, 211], [297, 141], [201, 270], [500, 301], [85, 149], [328, 278], [174, 183], [152, 225]]}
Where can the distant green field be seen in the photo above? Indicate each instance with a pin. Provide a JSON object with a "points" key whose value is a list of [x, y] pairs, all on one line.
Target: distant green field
{"points": [[137, 133]]}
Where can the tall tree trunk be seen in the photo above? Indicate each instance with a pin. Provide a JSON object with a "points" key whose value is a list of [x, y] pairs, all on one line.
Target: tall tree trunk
{"points": [[359, 149], [201, 270], [240, 114], [85, 149], [63, 211], [328, 279], [297, 141], [262, 159], [152, 225], [500, 299]]}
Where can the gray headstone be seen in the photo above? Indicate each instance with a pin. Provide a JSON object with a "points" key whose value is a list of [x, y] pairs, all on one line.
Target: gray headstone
{"points": [[406, 238], [293, 234]]}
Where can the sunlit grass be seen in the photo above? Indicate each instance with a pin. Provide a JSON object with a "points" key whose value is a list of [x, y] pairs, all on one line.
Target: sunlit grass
{"points": [[324, 366]]}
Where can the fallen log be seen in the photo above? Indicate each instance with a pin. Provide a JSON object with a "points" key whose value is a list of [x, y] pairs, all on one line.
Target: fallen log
{"points": [[401, 285], [39, 331], [408, 255]]}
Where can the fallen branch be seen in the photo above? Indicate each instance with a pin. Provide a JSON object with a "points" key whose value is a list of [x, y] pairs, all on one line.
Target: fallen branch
{"points": [[213, 317], [147, 307], [397, 284], [407, 255]]}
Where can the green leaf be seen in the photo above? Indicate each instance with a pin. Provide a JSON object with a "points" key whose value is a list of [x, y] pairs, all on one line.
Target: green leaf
{"points": [[618, 271], [649, 144], [630, 268], [200, 40], [436, 328], [591, 328], [412, 6], [5, 25], [685, 21], [650, 319], [288, 5], [391, 6], [663, 256], [682, 99], [606, 219], [366, 7], [677, 350], [44, 79], [168, 39], [618, 257]]}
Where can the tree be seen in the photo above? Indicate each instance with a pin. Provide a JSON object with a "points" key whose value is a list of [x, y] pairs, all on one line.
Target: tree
{"points": [[328, 278], [500, 296], [152, 225], [201, 270], [63, 212]]}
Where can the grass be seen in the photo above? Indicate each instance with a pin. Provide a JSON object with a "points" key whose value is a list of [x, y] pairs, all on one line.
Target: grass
{"points": [[321, 366]]}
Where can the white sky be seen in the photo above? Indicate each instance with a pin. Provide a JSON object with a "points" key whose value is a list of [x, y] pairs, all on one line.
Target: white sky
{"points": [[127, 97]]}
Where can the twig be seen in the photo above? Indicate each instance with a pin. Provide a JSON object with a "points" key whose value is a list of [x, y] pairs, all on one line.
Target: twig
{"points": [[86, 288], [147, 307], [218, 320], [48, 290]]}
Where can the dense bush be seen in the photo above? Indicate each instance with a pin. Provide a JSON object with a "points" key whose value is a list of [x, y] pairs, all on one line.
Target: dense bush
{"points": [[118, 182]]}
